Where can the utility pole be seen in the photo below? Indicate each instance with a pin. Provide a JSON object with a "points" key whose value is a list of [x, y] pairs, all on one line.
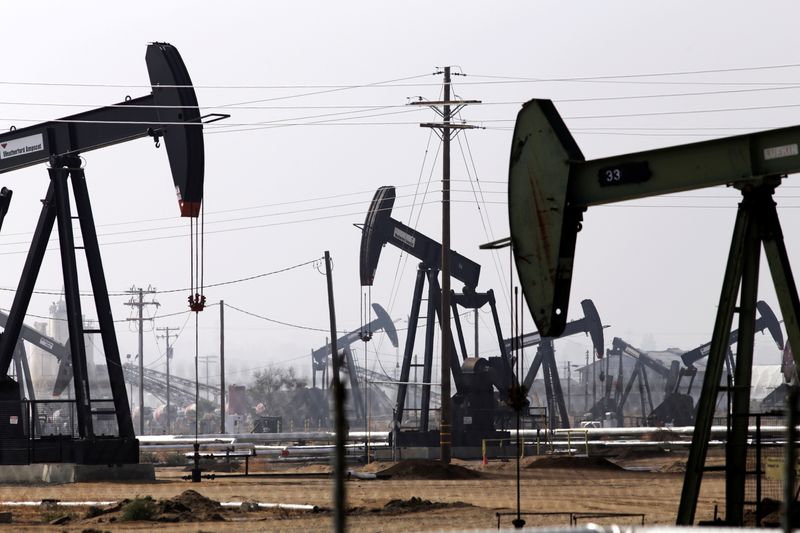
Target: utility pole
{"points": [[339, 511], [586, 384], [137, 300], [594, 383], [444, 129], [569, 387], [222, 367], [167, 335], [207, 359], [477, 354]]}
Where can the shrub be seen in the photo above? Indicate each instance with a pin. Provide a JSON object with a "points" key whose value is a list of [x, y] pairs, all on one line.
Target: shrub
{"points": [[147, 457], [139, 508]]}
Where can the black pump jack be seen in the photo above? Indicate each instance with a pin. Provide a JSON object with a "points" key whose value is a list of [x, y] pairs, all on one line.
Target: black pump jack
{"points": [[170, 112], [545, 359], [320, 356], [474, 402], [677, 408]]}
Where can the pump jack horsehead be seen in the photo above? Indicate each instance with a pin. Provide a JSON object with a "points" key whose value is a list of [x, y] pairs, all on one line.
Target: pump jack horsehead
{"points": [[551, 185], [170, 112]]}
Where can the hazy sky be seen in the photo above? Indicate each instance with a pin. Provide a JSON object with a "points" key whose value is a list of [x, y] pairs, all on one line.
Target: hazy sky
{"points": [[317, 93]]}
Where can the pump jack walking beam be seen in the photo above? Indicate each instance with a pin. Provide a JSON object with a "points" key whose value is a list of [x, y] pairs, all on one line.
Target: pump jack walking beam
{"points": [[551, 185]]}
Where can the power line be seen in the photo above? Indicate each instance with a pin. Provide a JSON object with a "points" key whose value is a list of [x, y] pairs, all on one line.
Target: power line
{"points": [[394, 82], [155, 291], [248, 208], [216, 87], [651, 74], [682, 112], [259, 226], [282, 323], [356, 108], [244, 127], [299, 221]]}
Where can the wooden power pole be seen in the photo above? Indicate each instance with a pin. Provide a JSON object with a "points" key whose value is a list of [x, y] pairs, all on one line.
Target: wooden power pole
{"points": [[446, 108]]}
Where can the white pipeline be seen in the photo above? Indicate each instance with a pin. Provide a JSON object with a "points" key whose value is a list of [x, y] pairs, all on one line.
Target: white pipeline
{"points": [[287, 506], [88, 503], [58, 503]]}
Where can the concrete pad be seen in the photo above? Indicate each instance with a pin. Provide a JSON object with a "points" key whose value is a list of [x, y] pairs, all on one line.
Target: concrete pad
{"points": [[73, 473]]}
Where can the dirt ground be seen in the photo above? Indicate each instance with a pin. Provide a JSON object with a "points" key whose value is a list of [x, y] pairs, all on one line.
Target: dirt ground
{"points": [[417, 497]]}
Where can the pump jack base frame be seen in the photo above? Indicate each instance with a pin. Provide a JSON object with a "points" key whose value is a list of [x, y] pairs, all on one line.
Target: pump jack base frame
{"points": [[20, 445], [757, 223], [58, 473]]}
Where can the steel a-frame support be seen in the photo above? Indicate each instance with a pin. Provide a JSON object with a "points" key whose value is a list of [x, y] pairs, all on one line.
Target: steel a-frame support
{"points": [[56, 210], [545, 359], [433, 312], [756, 224]]}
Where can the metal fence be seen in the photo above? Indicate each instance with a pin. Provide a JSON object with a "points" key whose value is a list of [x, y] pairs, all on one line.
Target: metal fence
{"points": [[37, 419], [765, 468], [575, 517]]}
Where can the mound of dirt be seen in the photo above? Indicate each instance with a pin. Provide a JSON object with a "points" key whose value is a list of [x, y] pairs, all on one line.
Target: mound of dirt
{"points": [[428, 469], [770, 517], [415, 504], [678, 467], [189, 506], [573, 462]]}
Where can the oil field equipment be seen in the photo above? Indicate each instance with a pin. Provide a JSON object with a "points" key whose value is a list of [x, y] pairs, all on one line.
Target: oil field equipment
{"points": [[616, 404], [545, 359], [169, 113], [155, 382], [676, 408], [49, 345], [474, 404], [668, 411], [551, 185], [320, 356]]}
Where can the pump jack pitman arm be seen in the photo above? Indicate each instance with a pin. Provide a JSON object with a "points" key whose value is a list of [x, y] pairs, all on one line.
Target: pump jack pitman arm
{"points": [[169, 111], [551, 184]]}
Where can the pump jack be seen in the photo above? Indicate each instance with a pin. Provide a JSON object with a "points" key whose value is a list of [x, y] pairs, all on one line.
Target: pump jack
{"points": [[551, 185], [319, 357], [170, 112], [670, 375], [676, 408], [474, 403], [558, 417]]}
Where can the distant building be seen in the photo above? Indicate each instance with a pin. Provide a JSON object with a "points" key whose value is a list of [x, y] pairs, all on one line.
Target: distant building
{"points": [[43, 365]]}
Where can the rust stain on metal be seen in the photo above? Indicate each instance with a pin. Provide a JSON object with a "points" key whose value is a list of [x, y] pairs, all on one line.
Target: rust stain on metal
{"points": [[539, 208], [518, 148]]}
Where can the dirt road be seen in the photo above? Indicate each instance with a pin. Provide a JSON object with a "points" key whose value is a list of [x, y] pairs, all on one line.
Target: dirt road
{"points": [[441, 502]]}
